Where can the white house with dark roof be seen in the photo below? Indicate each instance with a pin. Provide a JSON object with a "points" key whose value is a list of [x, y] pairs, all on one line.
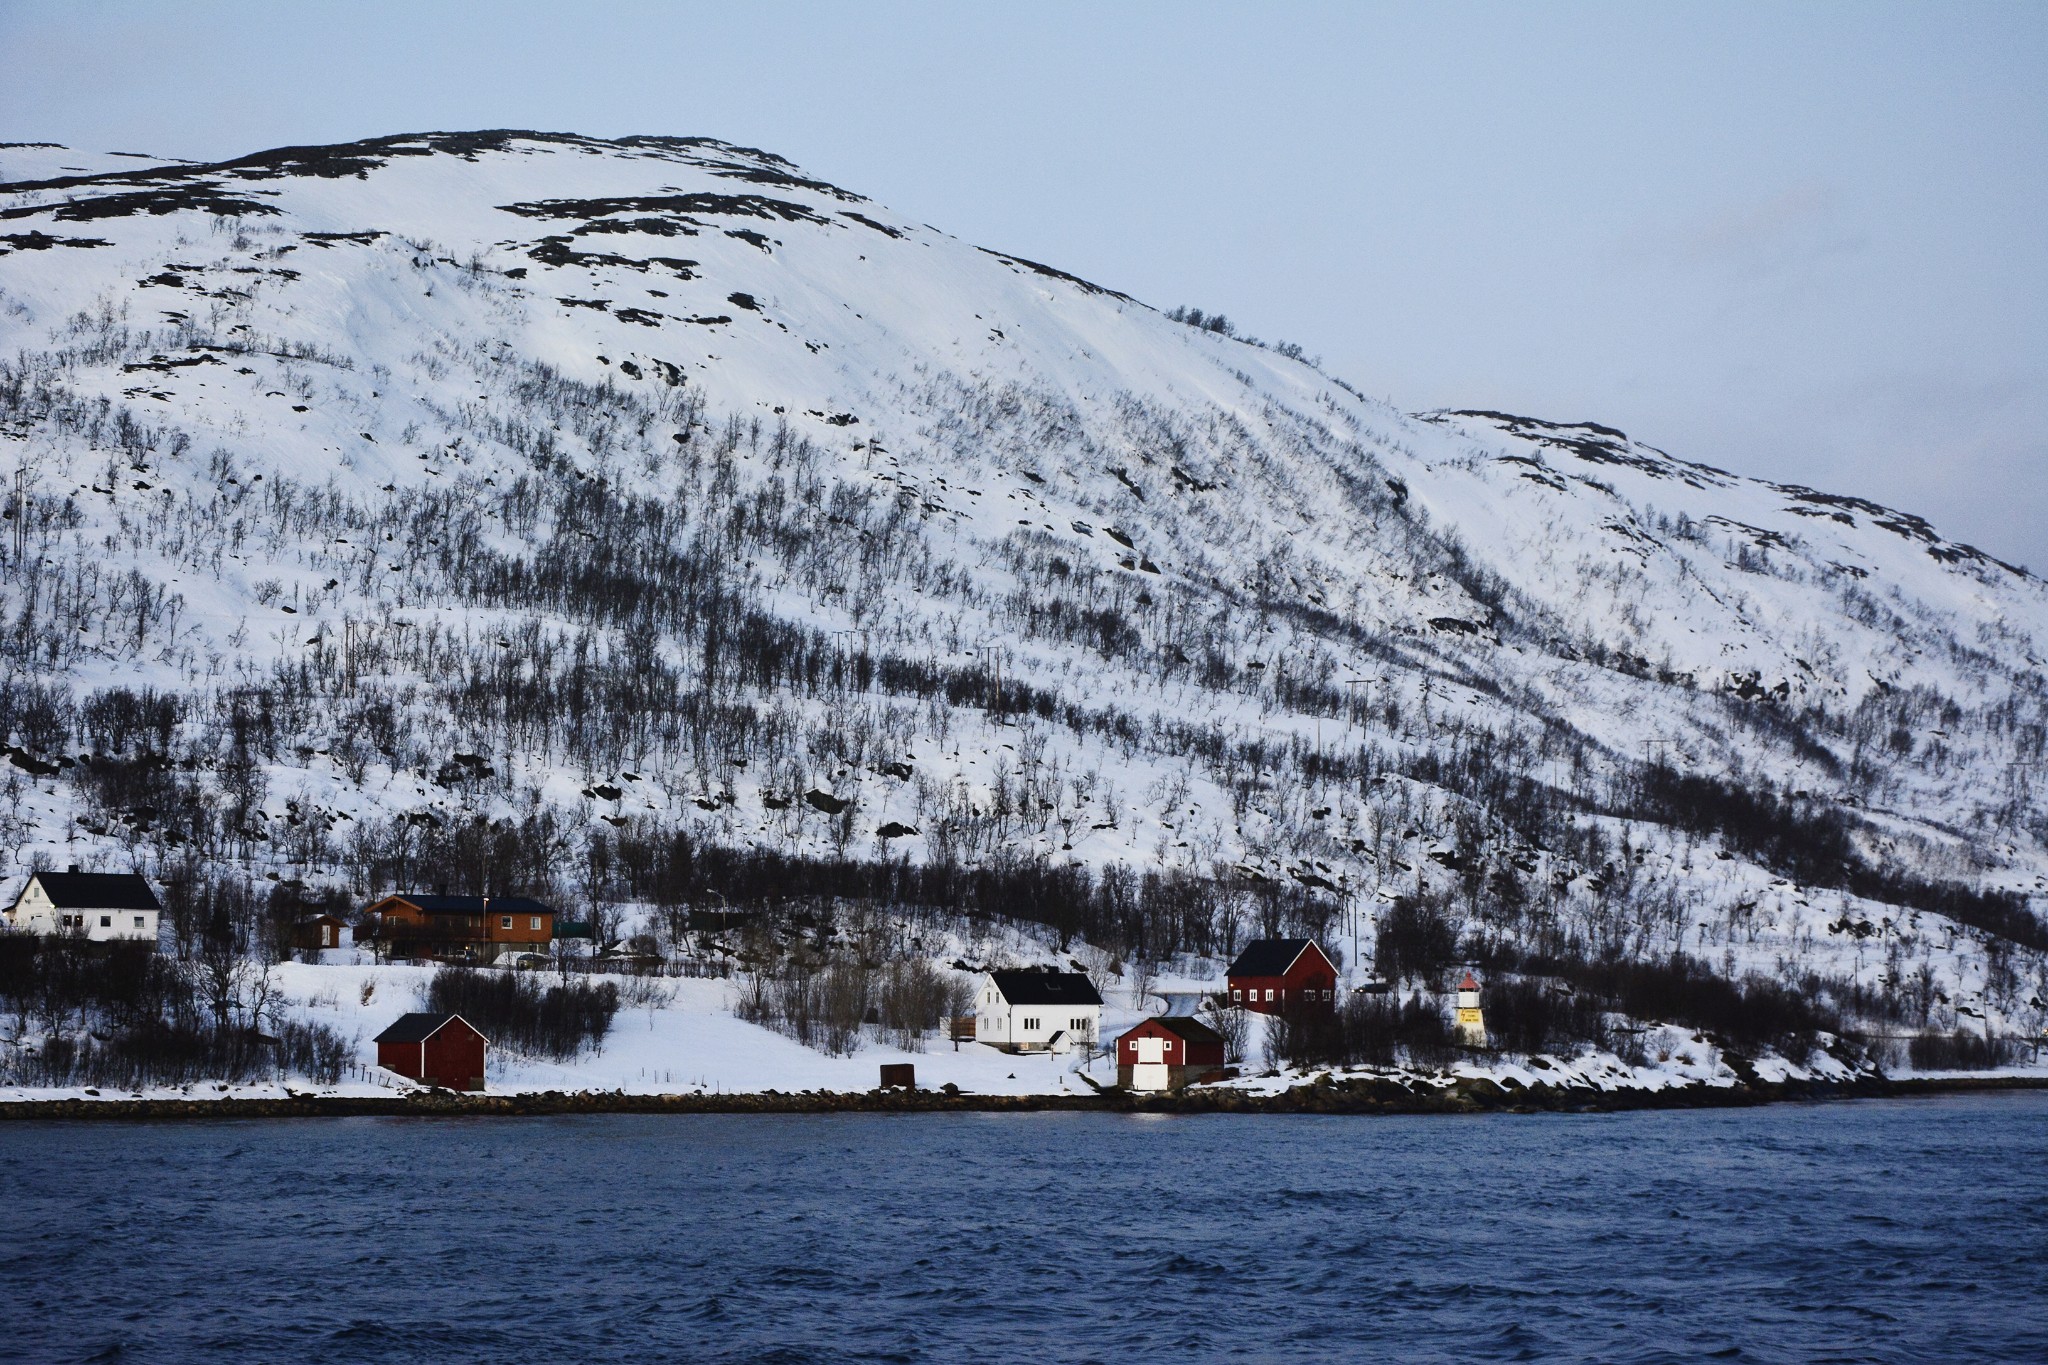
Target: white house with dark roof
{"points": [[95, 905], [1037, 1011]]}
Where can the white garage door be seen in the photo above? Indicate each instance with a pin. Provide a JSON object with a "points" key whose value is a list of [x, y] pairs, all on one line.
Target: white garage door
{"points": [[1148, 1076]]}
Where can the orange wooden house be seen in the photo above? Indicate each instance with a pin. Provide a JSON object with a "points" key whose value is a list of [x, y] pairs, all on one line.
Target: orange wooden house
{"points": [[478, 927]]}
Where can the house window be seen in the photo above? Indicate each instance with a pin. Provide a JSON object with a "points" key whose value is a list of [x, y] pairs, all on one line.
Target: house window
{"points": [[106, 921], [534, 923], [504, 921], [138, 921], [1236, 995], [1269, 992]]}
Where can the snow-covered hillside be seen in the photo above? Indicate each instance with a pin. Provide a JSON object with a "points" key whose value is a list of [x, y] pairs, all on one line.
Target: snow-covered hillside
{"points": [[646, 522]]}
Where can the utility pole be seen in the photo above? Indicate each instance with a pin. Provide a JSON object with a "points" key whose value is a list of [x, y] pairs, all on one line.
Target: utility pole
{"points": [[867, 647], [1351, 710], [20, 528], [2018, 782], [992, 665]]}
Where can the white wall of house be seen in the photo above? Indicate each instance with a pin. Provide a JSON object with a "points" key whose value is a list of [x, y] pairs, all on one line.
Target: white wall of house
{"points": [[34, 913], [999, 1023]]}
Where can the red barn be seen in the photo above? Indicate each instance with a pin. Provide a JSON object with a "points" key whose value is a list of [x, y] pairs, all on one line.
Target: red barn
{"points": [[1166, 1054], [1272, 972], [435, 1049]]}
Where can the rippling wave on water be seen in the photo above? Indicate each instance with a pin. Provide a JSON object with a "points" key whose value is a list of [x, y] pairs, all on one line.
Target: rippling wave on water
{"points": [[1892, 1231]]}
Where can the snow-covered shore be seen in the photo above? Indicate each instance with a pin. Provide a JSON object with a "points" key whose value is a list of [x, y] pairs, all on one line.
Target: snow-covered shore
{"points": [[678, 1037]]}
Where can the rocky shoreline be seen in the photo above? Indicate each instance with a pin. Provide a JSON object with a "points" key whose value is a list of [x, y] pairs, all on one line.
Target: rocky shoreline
{"points": [[1325, 1095]]}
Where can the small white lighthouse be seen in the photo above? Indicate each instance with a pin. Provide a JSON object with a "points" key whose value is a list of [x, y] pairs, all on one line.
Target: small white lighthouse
{"points": [[1471, 1026]]}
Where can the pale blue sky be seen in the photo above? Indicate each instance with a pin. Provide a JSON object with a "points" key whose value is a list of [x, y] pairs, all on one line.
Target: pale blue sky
{"points": [[1808, 242]]}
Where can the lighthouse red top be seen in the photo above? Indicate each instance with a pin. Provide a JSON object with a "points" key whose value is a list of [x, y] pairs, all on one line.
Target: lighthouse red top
{"points": [[1468, 984]]}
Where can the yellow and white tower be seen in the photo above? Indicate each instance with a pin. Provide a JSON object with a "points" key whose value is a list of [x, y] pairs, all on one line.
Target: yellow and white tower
{"points": [[1471, 1023]]}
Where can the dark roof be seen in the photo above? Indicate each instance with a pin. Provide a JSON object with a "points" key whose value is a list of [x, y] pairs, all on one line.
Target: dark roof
{"points": [[417, 1028], [1270, 956], [1186, 1028], [1046, 988], [473, 905], [99, 890]]}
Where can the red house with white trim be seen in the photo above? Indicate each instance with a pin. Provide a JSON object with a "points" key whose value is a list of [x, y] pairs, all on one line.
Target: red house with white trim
{"points": [[434, 1049], [1272, 972]]}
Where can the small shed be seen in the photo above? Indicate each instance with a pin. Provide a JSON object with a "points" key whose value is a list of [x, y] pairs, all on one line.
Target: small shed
{"points": [[1168, 1053], [318, 931], [434, 1049]]}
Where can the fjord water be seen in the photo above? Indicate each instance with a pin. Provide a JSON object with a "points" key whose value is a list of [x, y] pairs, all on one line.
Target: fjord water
{"points": [[1894, 1231]]}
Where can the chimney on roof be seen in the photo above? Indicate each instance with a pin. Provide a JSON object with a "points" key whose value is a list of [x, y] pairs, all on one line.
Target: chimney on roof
{"points": [[440, 888], [72, 868]]}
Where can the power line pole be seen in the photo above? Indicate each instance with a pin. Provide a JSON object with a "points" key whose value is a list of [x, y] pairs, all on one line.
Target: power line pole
{"points": [[20, 528], [992, 668]]}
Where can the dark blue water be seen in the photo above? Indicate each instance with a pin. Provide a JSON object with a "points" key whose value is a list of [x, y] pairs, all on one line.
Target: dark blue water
{"points": [[1896, 1231]]}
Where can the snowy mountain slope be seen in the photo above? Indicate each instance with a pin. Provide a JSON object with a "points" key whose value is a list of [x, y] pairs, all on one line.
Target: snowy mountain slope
{"points": [[603, 490], [21, 161]]}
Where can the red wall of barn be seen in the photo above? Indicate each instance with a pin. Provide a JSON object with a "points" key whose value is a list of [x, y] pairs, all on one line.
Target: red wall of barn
{"points": [[404, 1058], [455, 1058], [1179, 1051]]}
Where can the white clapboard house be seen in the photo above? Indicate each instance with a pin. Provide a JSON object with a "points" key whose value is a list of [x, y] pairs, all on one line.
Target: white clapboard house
{"points": [[93, 905], [1037, 1011]]}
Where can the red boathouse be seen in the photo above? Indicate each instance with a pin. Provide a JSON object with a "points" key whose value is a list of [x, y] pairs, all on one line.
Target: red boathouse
{"points": [[1272, 972], [1167, 1053], [434, 1049]]}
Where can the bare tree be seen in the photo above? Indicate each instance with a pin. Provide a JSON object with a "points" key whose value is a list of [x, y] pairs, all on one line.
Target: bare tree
{"points": [[1144, 975], [1230, 1021]]}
